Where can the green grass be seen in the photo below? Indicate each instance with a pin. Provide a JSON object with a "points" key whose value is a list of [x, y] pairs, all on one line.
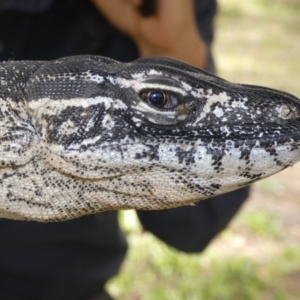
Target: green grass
{"points": [[257, 42], [155, 271], [262, 223]]}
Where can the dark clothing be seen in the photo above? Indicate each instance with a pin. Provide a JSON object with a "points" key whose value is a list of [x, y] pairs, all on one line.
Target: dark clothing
{"points": [[74, 259], [55, 29], [67, 260]]}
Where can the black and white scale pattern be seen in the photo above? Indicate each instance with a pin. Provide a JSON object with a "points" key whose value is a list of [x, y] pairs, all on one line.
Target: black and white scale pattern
{"points": [[86, 134]]}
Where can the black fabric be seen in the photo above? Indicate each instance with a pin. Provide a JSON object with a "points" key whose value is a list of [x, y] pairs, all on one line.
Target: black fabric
{"points": [[67, 260], [66, 28], [191, 228], [29, 6], [73, 259]]}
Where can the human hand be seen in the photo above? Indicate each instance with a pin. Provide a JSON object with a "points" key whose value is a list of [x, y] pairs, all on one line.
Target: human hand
{"points": [[171, 32]]}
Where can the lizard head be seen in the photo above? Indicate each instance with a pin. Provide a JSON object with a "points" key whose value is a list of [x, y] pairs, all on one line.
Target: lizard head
{"points": [[205, 135], [152, 134]]}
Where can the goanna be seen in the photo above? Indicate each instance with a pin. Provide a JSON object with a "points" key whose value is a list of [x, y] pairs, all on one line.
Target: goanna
{"points": [[85, 134]]}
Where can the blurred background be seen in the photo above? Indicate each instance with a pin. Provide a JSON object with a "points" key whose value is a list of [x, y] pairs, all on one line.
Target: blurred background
{"points": [[258, 255]]}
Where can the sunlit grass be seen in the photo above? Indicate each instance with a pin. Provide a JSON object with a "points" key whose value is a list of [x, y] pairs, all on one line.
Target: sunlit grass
{"points": [[257, 42], [262, 223], [155, 271]]}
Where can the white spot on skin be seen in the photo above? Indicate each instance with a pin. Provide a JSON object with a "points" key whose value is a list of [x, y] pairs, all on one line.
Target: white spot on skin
{"points": [[137, 122], [138, 75], [223, 98], [122, 82], [96, 78], [152, 120], [154, 72], [111, 80], [225, 130], [118, 104], [186, 86], [36, 104], [198, 93], [90, 124], [218, 111]]}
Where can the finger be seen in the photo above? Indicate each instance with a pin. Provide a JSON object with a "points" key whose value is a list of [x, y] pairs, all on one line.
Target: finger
{"points": [[135, 3], [175, 9], [121, 13]]}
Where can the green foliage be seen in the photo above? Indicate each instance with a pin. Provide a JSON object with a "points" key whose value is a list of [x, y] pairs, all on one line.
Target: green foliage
{"points": [[263, 223], [155, 271]]}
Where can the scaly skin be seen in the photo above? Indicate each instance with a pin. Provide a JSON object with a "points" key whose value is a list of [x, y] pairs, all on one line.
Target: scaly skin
{"points": [[86, 134]]}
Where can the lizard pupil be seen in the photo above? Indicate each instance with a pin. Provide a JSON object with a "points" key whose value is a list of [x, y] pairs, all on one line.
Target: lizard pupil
{"points": [[157, 98]]}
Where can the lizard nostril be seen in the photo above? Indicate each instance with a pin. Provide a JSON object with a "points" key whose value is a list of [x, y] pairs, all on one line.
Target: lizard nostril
{"points": [[287, 112]]}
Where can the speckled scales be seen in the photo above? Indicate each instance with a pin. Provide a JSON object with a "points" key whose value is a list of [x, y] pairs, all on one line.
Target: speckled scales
{"points": [[77, 136]]}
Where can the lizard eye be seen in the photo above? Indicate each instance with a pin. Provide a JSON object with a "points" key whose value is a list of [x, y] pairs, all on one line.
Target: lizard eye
{"points": [[157, 98], [160, 99]]}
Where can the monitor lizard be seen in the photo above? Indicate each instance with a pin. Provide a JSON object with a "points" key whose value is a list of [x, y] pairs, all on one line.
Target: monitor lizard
{"points": [[85, 134]]}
